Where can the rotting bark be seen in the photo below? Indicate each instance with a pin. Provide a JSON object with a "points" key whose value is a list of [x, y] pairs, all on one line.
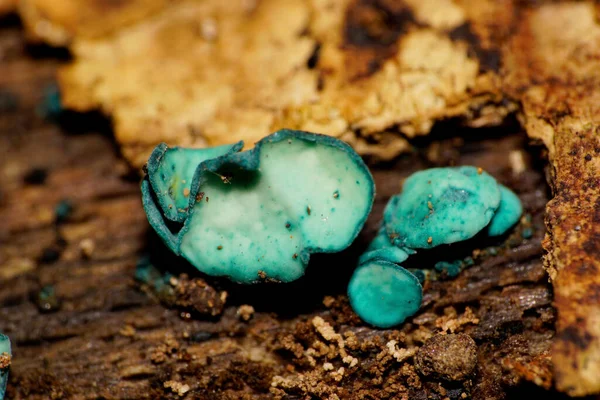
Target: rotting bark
{"points": [[555, 74]]}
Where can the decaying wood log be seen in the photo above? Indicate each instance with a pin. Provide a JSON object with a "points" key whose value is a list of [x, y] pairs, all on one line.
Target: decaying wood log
{"points": [[372, 72], [82, 327]]}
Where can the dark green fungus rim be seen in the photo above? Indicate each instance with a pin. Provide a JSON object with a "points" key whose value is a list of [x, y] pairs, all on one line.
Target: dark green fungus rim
{"points": [[152, 167]]}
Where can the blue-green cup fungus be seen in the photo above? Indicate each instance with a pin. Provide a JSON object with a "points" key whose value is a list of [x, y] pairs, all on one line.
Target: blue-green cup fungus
{"points": [[437, 206], [259, 213], [384, 294], [5, 361], [441, 206]]}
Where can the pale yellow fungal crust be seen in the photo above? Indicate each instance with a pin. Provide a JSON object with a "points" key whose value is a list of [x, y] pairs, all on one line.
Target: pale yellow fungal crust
{"points": [[202, 73]]}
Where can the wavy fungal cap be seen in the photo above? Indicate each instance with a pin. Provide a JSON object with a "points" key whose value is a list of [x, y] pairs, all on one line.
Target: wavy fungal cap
{"points": [[171, 170], [441, 206], [261, 213], [384, 294]]}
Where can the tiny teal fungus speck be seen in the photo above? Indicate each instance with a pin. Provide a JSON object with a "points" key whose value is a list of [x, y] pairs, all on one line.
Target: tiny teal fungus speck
{"points": [[284, 185], [5, 361]]}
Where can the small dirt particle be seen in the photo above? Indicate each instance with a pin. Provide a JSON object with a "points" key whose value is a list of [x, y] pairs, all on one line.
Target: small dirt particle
{"points": [[177, 387], [328, 301], [127, 331], [452, 357], [5, 359], [245, 312], [87, 247]]}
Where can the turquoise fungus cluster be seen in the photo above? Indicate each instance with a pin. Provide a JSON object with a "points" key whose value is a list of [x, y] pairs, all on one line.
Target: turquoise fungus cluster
{"points": [[259, 214], [438, 206]]}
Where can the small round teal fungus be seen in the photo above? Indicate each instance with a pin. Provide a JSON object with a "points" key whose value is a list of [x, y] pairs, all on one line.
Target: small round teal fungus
{"points": [[450, 269], [5, 361], [420, 274], [287, 178], [47, 300], [507, 214], [62, 210], [51, 106], [147, 273], [384, 294], [391, 254], [527, 233], [441, 206], [382, 249]]}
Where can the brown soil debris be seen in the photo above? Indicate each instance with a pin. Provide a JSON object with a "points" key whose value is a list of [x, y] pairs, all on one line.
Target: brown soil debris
{"points": [[198, 296], [245, 312], [451, 322], [177, 387], [452, 357], [5, 360]]}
